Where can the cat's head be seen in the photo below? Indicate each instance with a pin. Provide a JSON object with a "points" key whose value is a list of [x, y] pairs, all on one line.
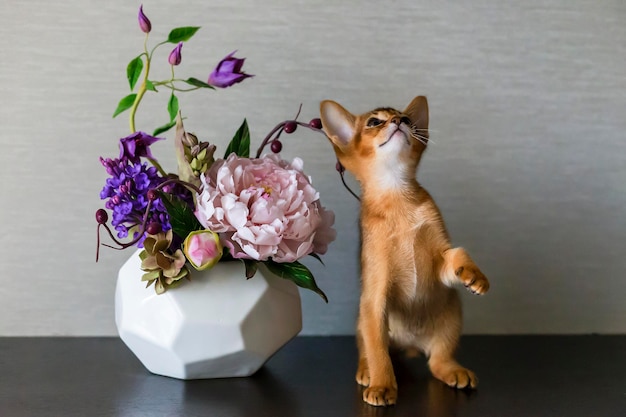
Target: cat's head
{"points": [[382, 147]]}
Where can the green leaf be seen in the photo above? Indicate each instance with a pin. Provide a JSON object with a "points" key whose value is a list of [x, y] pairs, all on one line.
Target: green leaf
{"points": [[164, 128], [150, 275], [251, 267], [240, 144], [182, 34], [150, 86], [297, 273], [125, 104], [197, 83], [133, 71], [181, 215], [172, 107]]}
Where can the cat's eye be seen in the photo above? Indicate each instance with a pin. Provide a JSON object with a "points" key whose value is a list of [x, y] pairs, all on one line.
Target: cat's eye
{"points": [[372, 122], [405, 120]]}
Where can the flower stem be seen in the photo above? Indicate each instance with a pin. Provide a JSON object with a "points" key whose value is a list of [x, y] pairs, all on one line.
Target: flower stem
{"points": [[158, 166], [142, 88], [140, 93]]}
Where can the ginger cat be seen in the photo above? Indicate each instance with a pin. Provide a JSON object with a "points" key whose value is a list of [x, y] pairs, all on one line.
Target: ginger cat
{"points": [[408, 264]]}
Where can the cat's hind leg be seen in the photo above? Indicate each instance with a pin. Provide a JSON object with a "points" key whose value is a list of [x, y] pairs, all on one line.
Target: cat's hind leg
{"points": [[442, 346], [446, 369]]}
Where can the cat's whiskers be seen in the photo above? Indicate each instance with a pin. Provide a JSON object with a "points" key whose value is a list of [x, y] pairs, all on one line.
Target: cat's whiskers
{"points": [[415, 135]]}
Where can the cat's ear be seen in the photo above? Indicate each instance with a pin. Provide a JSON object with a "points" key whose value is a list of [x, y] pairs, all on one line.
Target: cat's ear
{"points": [[417, 111], [337, 122]]}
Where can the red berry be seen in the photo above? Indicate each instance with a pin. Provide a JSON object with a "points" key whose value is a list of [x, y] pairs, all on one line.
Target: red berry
{"points": [[339, 167], [290, 126], [152, 195], [276, 146], [101, 216], [315, 123], [153, 228]]}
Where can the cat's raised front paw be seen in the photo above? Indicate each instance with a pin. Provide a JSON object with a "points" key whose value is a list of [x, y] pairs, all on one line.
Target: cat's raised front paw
{"points": [[380, 396], [473, 279]]}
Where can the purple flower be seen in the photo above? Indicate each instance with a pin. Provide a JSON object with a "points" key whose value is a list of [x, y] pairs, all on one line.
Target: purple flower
{"points": [[126, 192], [144, 22], [228, 72], [174, 58], [136, 145]]}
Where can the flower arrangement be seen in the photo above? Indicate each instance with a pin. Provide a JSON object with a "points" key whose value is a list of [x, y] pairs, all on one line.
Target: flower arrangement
{"points": [[255, 210]]}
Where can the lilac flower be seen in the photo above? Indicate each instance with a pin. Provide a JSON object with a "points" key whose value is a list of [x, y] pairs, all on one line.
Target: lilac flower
{"points": [[126, 192], [137, 145], [144, 22], [175, 57], [228, 72]]}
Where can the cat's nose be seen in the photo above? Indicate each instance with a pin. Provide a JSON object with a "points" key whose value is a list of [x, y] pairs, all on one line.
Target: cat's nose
{"points": [[397, 120]]}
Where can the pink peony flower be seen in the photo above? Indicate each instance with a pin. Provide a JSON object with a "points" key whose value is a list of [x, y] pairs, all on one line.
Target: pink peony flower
{"points": [[264, 208]]}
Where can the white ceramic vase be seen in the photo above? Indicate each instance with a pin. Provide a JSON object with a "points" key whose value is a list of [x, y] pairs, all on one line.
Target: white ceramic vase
{"points": [[218, 325]]}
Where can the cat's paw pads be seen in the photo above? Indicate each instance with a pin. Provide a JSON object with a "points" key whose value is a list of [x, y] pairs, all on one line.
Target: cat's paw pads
{"points": [[473, 279], [363, 375], [460, 378], [380, 396]]}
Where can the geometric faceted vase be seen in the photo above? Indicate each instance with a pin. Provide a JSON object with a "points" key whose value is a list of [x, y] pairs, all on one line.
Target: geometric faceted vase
{"points": [[216, 326]]}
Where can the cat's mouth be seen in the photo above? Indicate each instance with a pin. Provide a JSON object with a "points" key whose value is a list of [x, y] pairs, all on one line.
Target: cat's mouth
{"points": [[399, 132]]}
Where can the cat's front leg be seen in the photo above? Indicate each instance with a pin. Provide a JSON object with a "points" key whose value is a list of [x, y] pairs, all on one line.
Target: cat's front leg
{"points": [[459, 267], [375, 367]]}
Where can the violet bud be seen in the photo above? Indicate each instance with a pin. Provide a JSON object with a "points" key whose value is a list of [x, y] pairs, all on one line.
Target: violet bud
{"points": [[144, 22], [228, 72], [137, 145], [175, 57]]}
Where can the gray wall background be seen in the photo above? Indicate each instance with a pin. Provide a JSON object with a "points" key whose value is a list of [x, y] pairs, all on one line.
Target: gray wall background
{"points": [[527, 162]]}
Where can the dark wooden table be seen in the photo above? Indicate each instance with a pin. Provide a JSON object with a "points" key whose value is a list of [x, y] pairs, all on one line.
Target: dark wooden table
{"points": [[530, 376]]}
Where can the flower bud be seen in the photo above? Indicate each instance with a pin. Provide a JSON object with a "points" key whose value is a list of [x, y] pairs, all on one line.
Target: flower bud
{"points": [[144, 22], [202, 249], [175, 57], [189, 139], [228, 72]]}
